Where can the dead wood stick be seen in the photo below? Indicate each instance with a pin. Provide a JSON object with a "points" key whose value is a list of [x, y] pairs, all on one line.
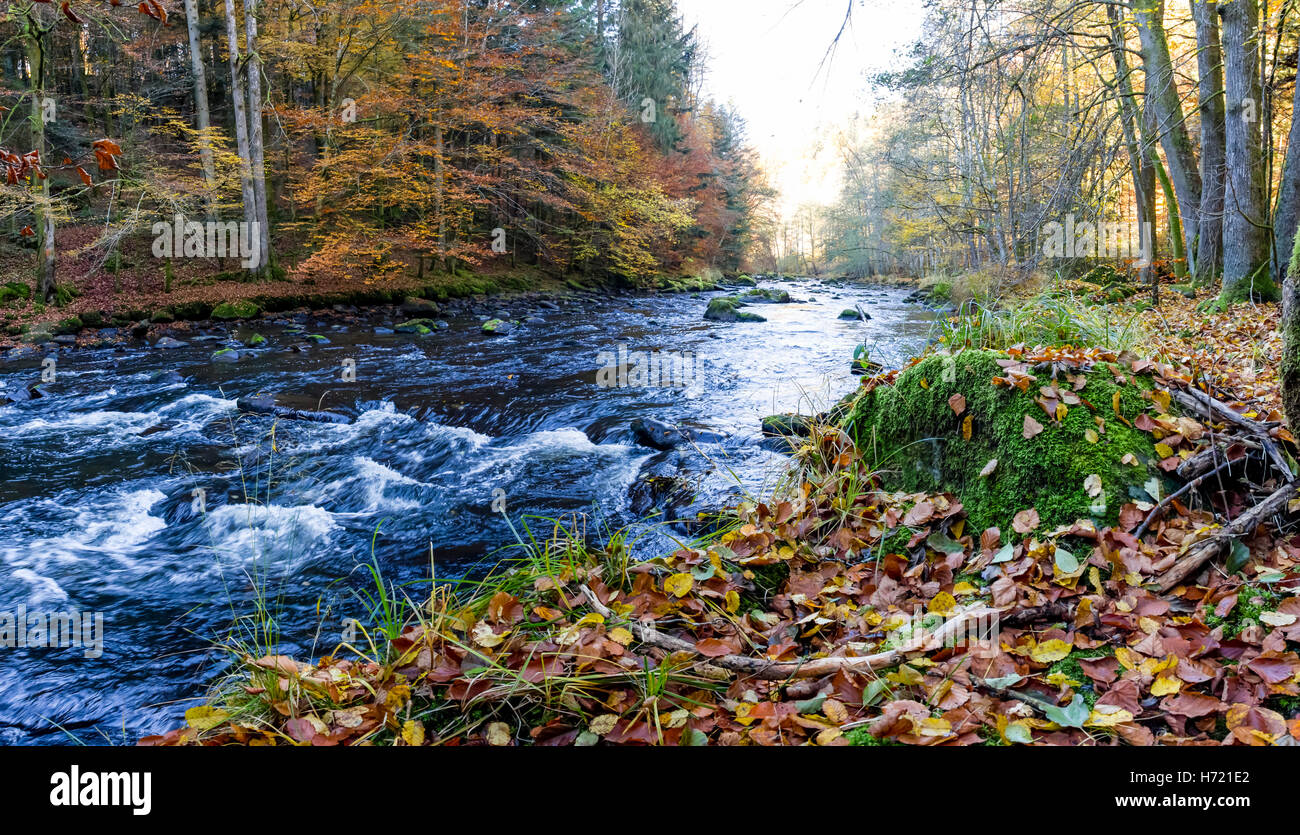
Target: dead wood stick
{"points": [[1172, 497], [1203, 552], [1199, 401], [805, 668]]}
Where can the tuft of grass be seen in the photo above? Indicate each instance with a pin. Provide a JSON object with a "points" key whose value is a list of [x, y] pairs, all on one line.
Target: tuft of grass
{"points": [[1055, 318]]}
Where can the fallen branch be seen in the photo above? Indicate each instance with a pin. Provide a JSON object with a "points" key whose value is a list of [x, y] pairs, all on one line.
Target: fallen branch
{"points": [[1202, 552], [1199, 401], [1172, 497], [804, 668]]}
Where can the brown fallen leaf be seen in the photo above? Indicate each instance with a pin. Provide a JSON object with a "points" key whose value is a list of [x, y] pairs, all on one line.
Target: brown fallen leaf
{"points": [[1026, 521]]}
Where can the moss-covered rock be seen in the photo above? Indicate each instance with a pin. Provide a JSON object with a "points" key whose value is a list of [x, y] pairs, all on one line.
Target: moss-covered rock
{"points": [[70, 325], [727, 309], [1103, 275], [765, 296], [14, 291], [914, 437], [422, 327], [242, 309]]}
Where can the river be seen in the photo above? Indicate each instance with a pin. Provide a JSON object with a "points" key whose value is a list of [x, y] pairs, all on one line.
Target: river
{"points": [[152, 500]]}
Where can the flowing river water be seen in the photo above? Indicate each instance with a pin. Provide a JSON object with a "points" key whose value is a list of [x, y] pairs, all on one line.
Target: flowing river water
{"points": [[100, 479]]}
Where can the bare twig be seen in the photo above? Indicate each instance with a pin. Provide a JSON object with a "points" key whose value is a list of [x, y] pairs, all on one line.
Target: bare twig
{"points": [[804, 668]]}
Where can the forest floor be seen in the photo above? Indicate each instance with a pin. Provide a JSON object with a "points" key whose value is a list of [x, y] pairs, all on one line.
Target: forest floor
{"points": [[853, 608]]}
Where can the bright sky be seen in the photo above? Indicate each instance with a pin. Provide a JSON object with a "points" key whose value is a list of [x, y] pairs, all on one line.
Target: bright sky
{"points": [[764, 57]]}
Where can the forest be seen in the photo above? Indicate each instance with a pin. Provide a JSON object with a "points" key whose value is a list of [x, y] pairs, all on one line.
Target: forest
{"points": [[365, 140]]}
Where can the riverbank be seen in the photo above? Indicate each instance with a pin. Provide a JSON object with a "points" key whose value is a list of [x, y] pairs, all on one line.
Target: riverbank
{"points": [[860, 605], [94, 313]]}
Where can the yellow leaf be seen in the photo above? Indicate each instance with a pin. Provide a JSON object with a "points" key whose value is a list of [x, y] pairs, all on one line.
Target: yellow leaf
{"points": [[603, 724], [1164, 450], [933, 727], [620, 635], [905, 676], [942, 604], [733, 601], [413, 732], [1166, 685], [964, 588], [1162, 399], [966, 428], [1092, 436], [828, 736], [1050, 651], [1108, 716], [498, 734], [679, 585], [205, 718]]}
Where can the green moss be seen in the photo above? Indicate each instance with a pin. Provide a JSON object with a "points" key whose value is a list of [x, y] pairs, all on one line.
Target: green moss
{"points": [[72, 324], [765, 295], [1252, 601], [422, 327], [1102, 275], [941, 292], [727, 309], [15, 291], [65, 293], [863, 738], [1256, 288], [1070, 667], [242, 309], [910, 433]]}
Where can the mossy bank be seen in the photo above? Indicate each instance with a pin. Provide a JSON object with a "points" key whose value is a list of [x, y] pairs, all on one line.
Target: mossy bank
{"points": [[939, 426]]}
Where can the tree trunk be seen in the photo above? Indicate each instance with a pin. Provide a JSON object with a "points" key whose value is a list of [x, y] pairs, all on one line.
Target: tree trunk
{"points": [[1245, 219], [1209, 251], [1167, 109], [36, 32], [1144, 176], [1287, 216], [202, 114], [256, 146], [239, 103], [1289, 372]]}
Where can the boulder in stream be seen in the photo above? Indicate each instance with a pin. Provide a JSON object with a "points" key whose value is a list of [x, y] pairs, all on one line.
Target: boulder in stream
{"points": [[665, 436], [727, 309]]}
